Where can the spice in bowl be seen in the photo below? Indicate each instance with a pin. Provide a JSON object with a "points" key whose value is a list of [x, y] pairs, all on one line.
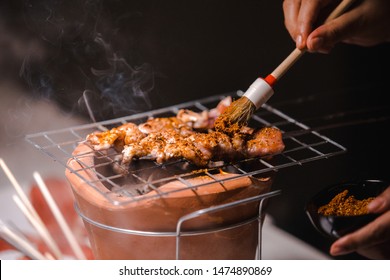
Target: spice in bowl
{"points": [[341, 208], [344, 205]]}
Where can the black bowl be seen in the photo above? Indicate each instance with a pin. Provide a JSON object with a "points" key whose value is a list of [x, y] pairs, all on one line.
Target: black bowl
{"points": [[337, 226]]}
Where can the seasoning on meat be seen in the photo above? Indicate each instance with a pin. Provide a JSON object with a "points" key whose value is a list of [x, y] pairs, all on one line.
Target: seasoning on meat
{"points": [[344, 205], [223, 122], [189, 135]]}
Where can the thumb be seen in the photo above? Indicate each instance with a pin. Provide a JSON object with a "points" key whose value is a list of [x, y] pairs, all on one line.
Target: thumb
{"points": [[381, 203]]}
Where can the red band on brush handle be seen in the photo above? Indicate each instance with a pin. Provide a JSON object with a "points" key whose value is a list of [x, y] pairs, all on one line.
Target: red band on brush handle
{"points": [[271, 80]]}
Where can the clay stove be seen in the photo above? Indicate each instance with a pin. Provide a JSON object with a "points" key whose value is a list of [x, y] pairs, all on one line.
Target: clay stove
{"points": [[214, 216], [175, 210]]}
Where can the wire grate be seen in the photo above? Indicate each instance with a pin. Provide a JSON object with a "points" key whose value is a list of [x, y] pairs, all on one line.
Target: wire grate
{"points": [[302, 145]]}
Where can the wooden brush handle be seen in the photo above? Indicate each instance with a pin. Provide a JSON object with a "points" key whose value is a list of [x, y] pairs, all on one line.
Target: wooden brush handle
{"points": [[297, 53]]}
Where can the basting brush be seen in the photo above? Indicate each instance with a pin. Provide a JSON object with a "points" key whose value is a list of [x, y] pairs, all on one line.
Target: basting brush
{"points": [[241, 110]]}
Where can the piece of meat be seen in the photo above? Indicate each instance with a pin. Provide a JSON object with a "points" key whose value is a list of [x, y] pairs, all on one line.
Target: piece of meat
{"points": [[201, 148], [196, 120], [172, 123], [117, 137], [160, 146], [204, 119], [169, 144], [103, 140], [185, 122], [221, 107], [189, 136], [266, 141]]}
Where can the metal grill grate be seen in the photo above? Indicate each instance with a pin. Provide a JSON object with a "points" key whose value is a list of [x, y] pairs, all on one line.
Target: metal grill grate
{"points": [[302, 145]]}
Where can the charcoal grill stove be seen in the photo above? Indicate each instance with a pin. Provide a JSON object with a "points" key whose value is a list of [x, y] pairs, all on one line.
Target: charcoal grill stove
{"points": [[126, 187]]}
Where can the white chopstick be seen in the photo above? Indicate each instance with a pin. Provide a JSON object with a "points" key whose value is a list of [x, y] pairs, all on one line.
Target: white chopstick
{"points": [[20, 243], [59, 217], [31, 213], [42, 230], [17, 187]]}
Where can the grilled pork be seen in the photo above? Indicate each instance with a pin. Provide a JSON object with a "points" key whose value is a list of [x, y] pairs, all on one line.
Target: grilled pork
{"points": [[189, 135]]}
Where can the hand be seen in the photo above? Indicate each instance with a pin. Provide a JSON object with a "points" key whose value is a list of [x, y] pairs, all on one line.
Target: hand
{"points": [[365, 24], [373, 240]]}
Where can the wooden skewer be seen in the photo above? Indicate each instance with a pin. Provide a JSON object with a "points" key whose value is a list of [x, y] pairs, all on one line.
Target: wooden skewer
{"points": [[17, 187], [31, 212], [42, 230], [20, 243], [49, 256], [59, 217]]}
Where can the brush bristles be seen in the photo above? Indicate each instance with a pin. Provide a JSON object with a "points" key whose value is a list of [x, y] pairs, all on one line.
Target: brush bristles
{"points": [[241, 111], [235, 116]]}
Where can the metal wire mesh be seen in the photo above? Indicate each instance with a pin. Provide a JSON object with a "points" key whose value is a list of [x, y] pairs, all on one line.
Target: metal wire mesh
{"points": [[302, 145]]}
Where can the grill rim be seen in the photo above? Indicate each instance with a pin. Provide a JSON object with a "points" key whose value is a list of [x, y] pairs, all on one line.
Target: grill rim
{"points": [[53, 147]]}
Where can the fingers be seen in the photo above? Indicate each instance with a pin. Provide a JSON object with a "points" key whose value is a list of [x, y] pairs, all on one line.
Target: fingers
{"points": [[372, 234], [291, 12], [307, 16], [365, 24], [324, 38], [381, 203], [300, 17]]}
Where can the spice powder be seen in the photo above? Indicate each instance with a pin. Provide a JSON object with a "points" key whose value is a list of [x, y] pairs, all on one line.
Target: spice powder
{"points": [[343, 205]]}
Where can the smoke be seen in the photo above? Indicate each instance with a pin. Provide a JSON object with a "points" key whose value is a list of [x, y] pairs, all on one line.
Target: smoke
{"points": [[86, 59], [126, 88]]}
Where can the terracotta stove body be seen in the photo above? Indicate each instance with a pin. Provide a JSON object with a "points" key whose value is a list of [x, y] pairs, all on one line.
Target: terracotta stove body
{"points": [[145, 228]]}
